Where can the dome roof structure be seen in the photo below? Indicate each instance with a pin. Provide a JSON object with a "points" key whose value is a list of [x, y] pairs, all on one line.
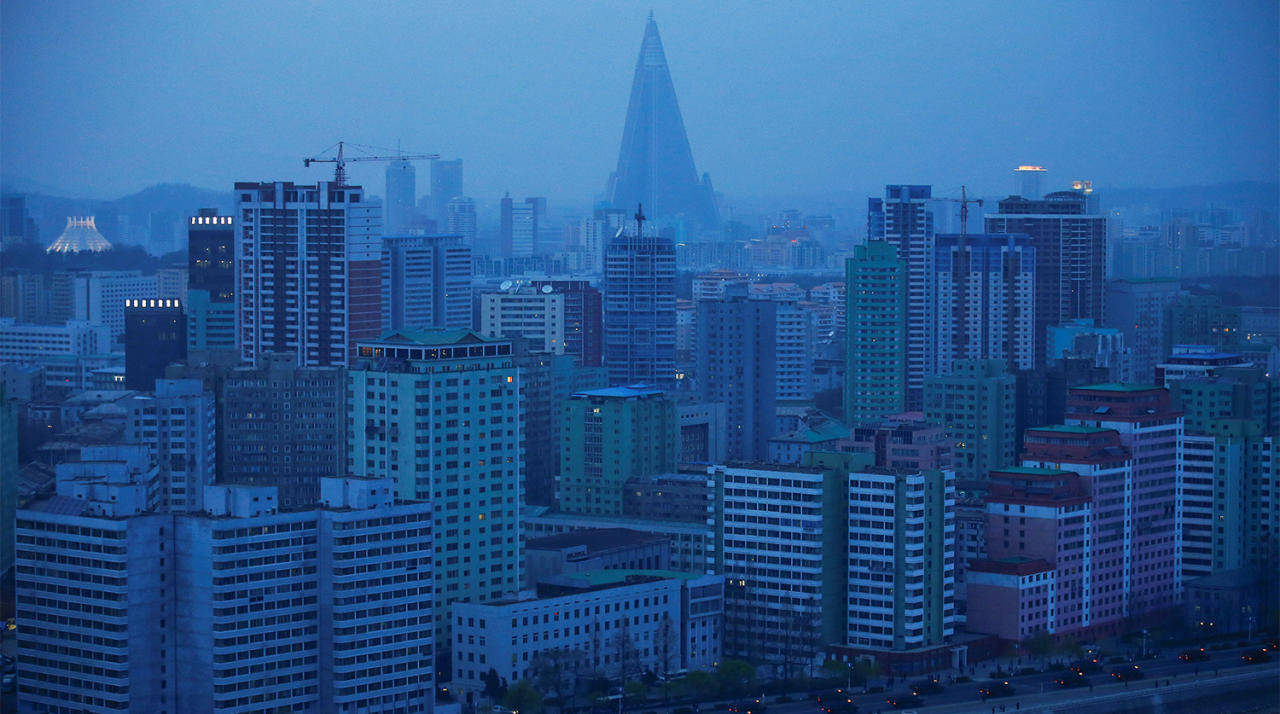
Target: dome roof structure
{"points": [[80, 234]]}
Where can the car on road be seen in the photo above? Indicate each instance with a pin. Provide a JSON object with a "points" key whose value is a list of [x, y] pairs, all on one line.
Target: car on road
{"points": [[839, 708], [754, 706], [1068, 680], [927, 686], [1087, 666], [902, 701], [996, 689], [834, 697], [1128, 673], [1198, 654], [1262, 654]]}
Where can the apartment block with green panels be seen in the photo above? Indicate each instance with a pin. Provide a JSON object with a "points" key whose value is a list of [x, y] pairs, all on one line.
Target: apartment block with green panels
{"points": [[439, 412], [875, 381], [976, 405], [612, 435]]}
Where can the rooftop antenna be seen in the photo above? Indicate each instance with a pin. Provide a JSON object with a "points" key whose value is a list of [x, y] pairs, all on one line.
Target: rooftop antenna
{"points": [[639, 220]]}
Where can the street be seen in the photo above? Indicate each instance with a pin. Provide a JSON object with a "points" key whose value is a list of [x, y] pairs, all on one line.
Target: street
{"points": [[1221, 679]]}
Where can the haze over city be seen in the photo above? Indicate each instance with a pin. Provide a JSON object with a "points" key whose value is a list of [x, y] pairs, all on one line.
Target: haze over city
{"points": [[780, 99], [601, 358]]}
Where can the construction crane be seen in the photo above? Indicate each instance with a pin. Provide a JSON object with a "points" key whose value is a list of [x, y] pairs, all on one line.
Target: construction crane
{"points": [[964, 202], [341, 160]]}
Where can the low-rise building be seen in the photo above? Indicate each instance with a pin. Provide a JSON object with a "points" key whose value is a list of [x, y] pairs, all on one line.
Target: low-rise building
{"points": [[594, 549], [618, 623]]}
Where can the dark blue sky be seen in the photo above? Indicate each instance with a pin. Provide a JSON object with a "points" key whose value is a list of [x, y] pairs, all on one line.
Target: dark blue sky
{"points": [[779, 98]]}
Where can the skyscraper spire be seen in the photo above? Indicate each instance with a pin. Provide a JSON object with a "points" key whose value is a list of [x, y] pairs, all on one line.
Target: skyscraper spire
{"points": [[655, 164]]}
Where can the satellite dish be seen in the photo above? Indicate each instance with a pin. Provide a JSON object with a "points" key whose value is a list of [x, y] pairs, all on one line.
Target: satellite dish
{"points": [[506, 285], [546, 289]]}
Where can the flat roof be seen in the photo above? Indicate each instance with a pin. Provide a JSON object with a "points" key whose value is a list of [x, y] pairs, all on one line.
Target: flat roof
{"points": [[1119, 387], [1070, 429], [1031, 471], [635, 390], [595, 539]]}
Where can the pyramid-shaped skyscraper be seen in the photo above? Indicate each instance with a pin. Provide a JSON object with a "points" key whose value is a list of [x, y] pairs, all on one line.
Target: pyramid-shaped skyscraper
{"points": [[655, 165]]}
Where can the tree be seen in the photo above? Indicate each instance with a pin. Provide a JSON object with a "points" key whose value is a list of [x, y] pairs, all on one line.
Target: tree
{"points": [[735, 676], [835, 669], [701, 685], [866, 668], [1042, 645], [494, 687], [524, 698]]}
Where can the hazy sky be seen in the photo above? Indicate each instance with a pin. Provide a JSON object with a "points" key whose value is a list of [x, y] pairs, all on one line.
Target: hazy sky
{"points": [[779, 98]]}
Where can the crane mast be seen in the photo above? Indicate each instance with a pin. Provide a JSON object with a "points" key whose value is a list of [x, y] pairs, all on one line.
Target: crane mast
{"points": [[341, 159]]}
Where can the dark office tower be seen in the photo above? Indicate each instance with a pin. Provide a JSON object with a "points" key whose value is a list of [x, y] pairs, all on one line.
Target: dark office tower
{"points": [[426, 282], [446, 185], [737, 366], [1071, 256], [155, 334], [640, 311], [582, 318], [211, 281], [655, 165], [903, 219], [285, 426], [16, 224], [308, 267], [402, 186]]}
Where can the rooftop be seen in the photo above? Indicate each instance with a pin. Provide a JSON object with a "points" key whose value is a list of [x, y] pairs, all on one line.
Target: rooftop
{"points": [[1118, 387], [630, 392], [1070, 429], [1031, 471], [594, 539]]}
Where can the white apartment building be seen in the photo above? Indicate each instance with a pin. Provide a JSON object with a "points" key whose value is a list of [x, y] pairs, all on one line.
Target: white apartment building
{"points": [[239, 608], [773, 560], [618, 622], [69, 353], [177, 425], [99, 296], [901, 577], [524, 311]]}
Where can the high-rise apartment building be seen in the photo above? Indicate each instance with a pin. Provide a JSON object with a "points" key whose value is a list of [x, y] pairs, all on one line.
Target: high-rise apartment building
{"points": [[612, 435], [402, 196], [446, 184], [285, 426], [904, 220], [307, 270], [460, 218], [640, 311], [426, 282], [155, 335], [875, 377], [439, 413], [518, 227], [211, 282], [1152, 430], [1070, 252], [1138, 309], [1027, 181], [177, 425], [240, 606], [8, 476], [984, 293], [536, 314], [583, 331], [976, 406], [547, 381], [100, 295], [902, 546], [782, 574], [736, 358]]}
